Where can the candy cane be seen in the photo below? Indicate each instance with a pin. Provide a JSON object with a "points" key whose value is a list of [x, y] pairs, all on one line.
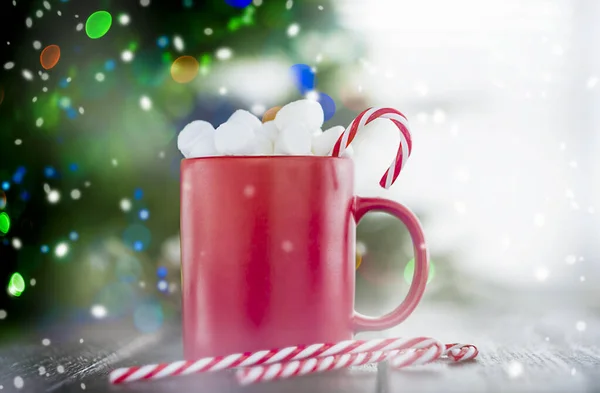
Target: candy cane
{"points": [[398, 359], [461, 352], [365, 118], [218, 363]]}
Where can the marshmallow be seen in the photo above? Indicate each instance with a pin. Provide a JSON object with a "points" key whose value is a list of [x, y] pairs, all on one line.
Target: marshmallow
{"points": [[195, 129], [246, 118], [323, 142], [269, 130], [293, 140], [233, 138], [203, 146], [270, 114], [307, 112], [262, 145]]}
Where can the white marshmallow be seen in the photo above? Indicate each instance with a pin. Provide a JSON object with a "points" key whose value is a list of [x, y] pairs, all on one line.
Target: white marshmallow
{"points": [[307, 112], [192, 131], [247, 118], [203, 146], [323, 142], [262, 145], [293, 140], [233, 138], [269, 130]]}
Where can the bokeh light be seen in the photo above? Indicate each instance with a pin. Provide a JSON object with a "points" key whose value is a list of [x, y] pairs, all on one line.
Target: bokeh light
{"points": [[4, 223], [239, 3], [16, 243], [144, 214], [137, 237], [16, 285], [145, 103], [304, 77], [184, 69], [162, 286], [98, 311], [61, 250], [293, 30], [2, 200], [125, 205], [124, 19], [162, 41], [50, 56], [328, 105], [161, 272], [110, 65], [53, 196], [19, 174], [127, 56], [409, 271], [98, 24]]}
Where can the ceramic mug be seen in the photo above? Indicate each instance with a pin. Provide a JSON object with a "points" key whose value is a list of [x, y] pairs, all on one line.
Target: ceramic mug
{"points": [[268, 253]]}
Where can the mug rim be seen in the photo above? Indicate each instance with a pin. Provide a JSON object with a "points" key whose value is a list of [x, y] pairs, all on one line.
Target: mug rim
{"points": [[255, 157]]}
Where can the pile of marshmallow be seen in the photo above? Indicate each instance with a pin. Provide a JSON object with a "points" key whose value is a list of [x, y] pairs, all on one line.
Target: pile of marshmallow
{"points": [[294, 129]]}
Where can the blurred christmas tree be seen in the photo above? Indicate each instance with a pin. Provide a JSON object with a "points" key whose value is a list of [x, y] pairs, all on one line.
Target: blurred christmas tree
{"points": [[88, 156], [88, 161]]}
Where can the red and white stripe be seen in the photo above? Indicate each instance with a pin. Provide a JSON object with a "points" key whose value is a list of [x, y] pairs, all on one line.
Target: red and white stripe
{"points": [[218, 363], [305, 359], [397, 358], [461, 352], [247, 376], [365, 118]]}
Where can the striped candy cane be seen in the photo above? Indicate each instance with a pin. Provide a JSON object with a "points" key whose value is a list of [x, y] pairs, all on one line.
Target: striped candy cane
{"points": [[218, 363], [461, 352], [365, 118], [398, 359]]}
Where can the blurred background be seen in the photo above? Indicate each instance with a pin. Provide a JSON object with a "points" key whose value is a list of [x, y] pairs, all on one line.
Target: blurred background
{"points": [[501, 96]]}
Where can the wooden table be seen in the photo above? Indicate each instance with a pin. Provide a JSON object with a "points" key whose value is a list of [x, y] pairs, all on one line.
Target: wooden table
{"points": [[520, 352]]}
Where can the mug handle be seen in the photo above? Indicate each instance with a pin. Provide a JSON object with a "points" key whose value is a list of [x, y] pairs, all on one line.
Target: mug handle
{"points": [[361, 207]]}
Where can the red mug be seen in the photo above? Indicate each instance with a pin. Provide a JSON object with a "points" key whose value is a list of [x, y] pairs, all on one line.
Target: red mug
{"points": [[268, 253]]}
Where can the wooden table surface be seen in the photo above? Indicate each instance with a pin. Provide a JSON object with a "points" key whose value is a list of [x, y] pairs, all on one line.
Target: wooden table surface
{"points": [[519, 352]]}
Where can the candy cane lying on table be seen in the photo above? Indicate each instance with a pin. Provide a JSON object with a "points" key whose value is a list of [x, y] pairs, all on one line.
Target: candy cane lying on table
{"points": [[397, 358], [461, 352], [218, 363], [365, 118]]}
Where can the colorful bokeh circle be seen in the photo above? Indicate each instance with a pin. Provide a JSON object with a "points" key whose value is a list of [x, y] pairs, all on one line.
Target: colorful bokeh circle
{"points": [[303, 77], [50, 56], [328, 105], [184, 69], [98, 24], [409, 271], [4, 223], [16, 285], [239, 3]]}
